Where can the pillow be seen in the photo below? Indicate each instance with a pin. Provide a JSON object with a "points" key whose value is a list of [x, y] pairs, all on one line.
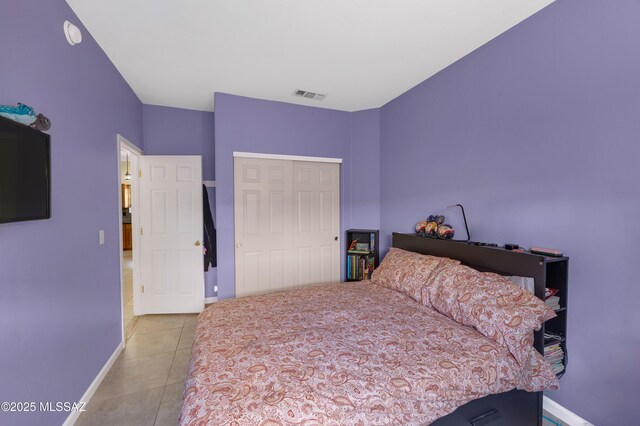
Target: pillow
{"points": [[539, 374], [527, 283], [490, 303], [406, 271]]}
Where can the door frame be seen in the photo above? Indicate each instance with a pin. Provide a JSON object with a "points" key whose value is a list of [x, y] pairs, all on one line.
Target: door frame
{"points": [[122, 144], [286, 157]]}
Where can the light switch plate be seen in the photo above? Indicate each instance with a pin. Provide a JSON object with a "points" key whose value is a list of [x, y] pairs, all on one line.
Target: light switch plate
{"points": [[101, 236]]}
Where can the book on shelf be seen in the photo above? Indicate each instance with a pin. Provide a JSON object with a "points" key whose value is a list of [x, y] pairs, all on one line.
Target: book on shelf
{"points": [[553, 302], [553, 352], [359, 267], [550, 298], [551, 337], [359, 252], [548, 292], [362, 246]]}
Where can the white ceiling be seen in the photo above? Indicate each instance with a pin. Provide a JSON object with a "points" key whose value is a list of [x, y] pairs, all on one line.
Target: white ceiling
{"points": [[361, 53]]}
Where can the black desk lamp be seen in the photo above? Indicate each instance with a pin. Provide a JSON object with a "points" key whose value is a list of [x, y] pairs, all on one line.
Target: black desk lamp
{"points": [[464, 217]]}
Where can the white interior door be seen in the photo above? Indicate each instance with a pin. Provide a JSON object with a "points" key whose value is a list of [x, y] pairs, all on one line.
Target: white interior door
{"points": [[316, 194], [171, 234], [263, 232], [287, 222]]}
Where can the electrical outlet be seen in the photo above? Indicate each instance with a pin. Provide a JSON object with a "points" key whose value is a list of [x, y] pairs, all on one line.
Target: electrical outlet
{"points": [[101, 236]]}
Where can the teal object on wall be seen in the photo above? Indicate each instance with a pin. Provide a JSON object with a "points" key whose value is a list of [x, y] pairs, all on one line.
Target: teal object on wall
{"points": [[22, 113]]}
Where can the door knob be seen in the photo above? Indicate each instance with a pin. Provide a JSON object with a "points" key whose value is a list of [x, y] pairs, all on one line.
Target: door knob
{"points": [[197, 243], [336, 238], [239, 245]]}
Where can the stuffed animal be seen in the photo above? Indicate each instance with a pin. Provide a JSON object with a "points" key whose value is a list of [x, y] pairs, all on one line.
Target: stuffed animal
{"points": [[431, 230], [435, 227], [42, 123], [24, 114], [421, 228], [445, 232]]}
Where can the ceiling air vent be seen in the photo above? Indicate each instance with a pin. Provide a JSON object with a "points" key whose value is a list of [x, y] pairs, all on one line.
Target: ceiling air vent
{"points": [[309, 95]]}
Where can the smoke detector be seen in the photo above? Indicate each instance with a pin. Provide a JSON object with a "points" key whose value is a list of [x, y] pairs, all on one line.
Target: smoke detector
{"points": [[309, 95], [72, 33]]}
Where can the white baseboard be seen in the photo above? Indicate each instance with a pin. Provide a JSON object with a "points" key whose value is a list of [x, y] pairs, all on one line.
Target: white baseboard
{"points": [[563, 414], [208, 300], [73, 415]]}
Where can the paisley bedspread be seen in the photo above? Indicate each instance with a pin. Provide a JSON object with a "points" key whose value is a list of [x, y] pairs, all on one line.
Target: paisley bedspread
{"points": [[338, 354]]}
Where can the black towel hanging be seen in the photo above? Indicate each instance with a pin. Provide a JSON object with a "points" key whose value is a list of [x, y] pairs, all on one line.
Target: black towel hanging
{"points": [[210, 257]]}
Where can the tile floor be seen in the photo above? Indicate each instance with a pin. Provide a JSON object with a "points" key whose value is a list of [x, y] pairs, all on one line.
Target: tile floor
{"points": [[144, 386], [127, 293]]}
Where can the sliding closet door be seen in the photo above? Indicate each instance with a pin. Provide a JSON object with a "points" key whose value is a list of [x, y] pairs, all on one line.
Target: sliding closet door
{"points": [[287, 223], [316, 195], [263, 231]]}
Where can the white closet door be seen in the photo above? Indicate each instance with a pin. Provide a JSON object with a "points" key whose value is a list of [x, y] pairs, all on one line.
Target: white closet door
{"points": [[171, 241], [316, 195], [263, 231], [287, 223]]}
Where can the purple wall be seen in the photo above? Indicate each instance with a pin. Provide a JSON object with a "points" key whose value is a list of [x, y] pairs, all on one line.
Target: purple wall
{"points": [[176, 131], [537, 133], [60, 306], [252, 125], [363, 170]]}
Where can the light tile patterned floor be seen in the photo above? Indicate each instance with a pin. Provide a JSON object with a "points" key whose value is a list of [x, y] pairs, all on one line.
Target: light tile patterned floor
{"points": [[130, 320], [144, 386]]}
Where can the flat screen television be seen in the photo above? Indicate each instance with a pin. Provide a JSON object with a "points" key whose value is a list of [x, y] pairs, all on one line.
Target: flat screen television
{"points": [[24, 173]]}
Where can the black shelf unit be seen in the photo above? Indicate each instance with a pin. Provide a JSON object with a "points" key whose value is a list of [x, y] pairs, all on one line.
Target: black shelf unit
{"points": [[359, 263], [557, 277]]}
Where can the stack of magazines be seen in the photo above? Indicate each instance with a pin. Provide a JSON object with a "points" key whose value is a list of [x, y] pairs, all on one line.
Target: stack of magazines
{"points": [[553, 352], [551, 300]]}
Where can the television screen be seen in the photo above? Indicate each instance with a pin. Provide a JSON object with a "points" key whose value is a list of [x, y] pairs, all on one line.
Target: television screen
{"points": [[24, 173]]}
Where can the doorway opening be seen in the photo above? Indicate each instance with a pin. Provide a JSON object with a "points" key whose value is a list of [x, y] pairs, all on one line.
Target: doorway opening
{"points": [[128, 213]]}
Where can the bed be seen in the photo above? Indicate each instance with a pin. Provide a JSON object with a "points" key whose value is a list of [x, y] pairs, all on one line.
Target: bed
{"points": [[359, 354]]}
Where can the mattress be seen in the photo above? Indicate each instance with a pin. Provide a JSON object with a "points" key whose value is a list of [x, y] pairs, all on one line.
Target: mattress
{"points": [[337, 354]]}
